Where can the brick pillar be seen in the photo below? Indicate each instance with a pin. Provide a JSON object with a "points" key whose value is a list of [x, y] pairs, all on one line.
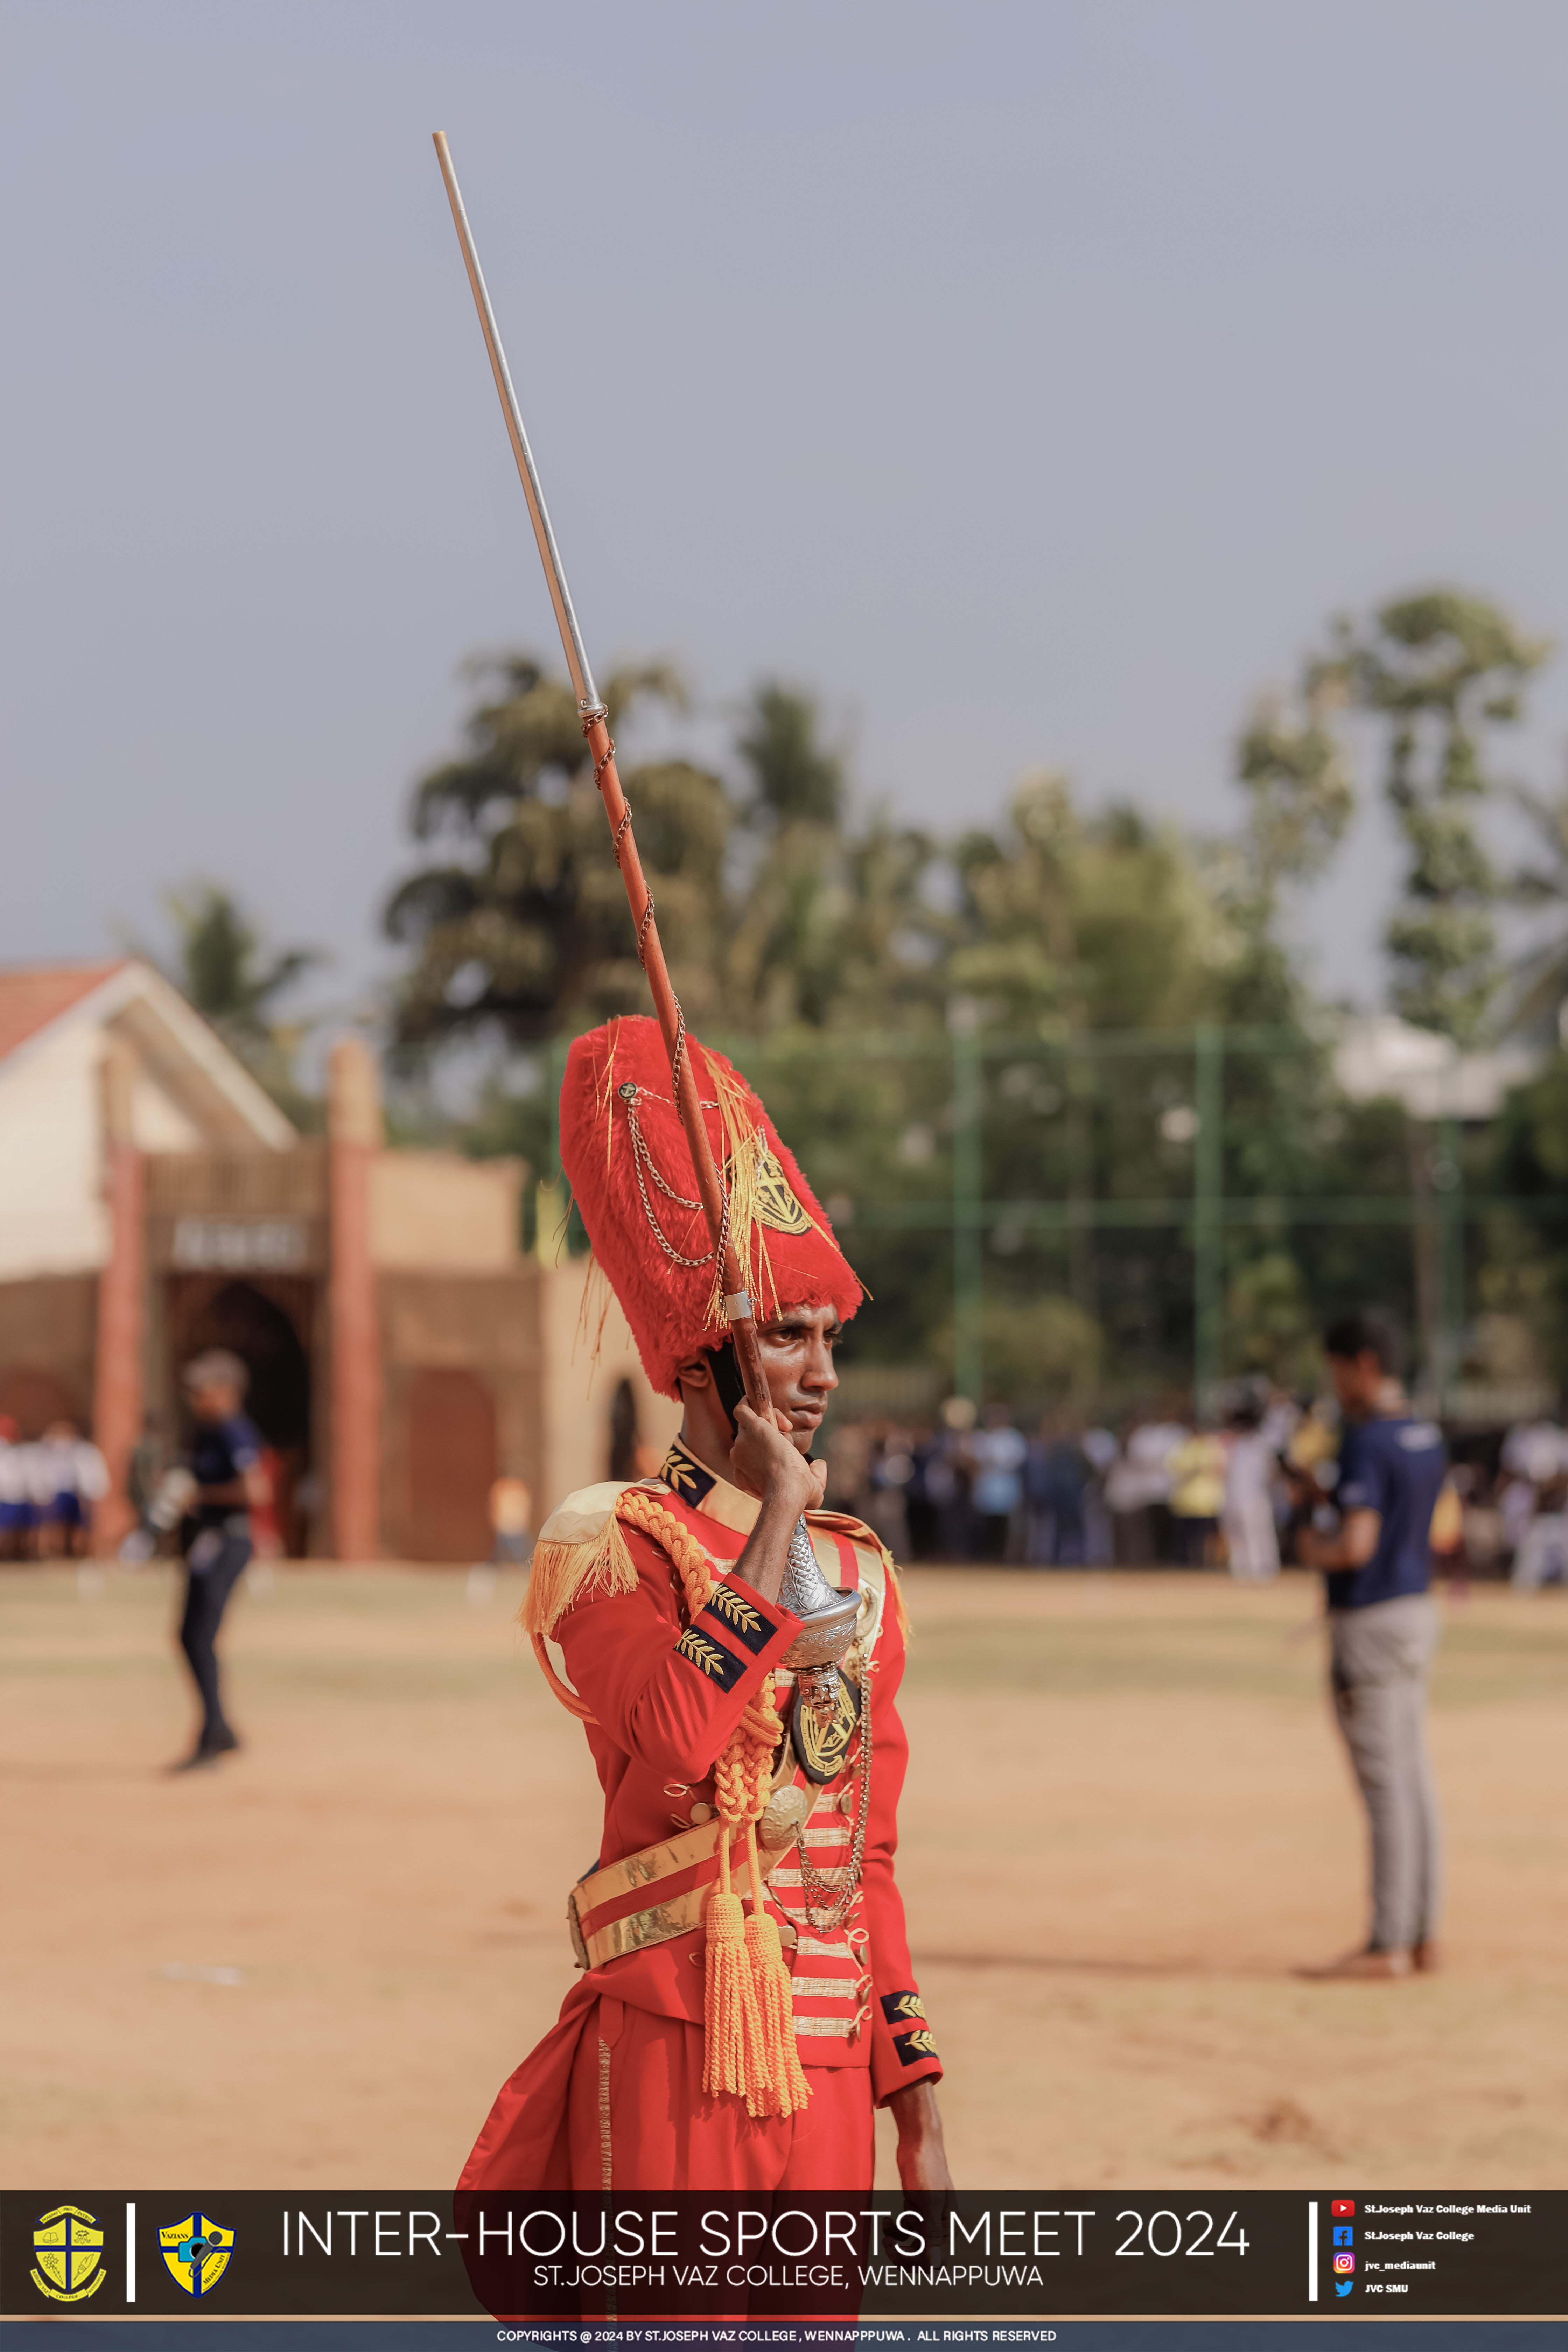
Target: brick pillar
{"points": [[118, 1394], [354, 1138]]}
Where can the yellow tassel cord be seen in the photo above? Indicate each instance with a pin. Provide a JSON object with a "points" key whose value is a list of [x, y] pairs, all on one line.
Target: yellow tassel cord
{"points": [[732, 2028], [774, 1995], [749, 2046]]}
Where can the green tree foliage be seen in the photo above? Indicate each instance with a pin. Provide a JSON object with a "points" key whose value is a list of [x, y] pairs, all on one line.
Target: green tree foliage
{"points": [[1527, 1248], [221, 964], [1540, 976], [830, 927], [1086, 946], [1441, 670], [1291, 760], [1069, 932], [518, 925], [1269, 1320], [1040, 1348], [773, 909]]}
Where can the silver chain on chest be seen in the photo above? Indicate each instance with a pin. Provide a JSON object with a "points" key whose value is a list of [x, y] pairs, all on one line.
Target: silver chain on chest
{"points": [[814, 1889]]}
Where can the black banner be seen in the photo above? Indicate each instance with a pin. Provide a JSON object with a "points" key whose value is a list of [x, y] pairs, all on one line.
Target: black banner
{"points": [[549, 2264]]}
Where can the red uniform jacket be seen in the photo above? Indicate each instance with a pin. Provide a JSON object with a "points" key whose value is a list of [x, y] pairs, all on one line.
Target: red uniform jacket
{"points": [[667, 1695]]}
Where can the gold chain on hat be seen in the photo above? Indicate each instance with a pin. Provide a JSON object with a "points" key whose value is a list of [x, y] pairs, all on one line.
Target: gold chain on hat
{"points": [[643, 1160]]}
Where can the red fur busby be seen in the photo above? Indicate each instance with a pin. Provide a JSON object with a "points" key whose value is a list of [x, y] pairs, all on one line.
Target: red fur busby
{"points": [[625, 1156]]}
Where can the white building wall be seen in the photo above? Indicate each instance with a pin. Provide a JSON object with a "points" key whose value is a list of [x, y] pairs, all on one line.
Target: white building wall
{"points": [[157, 1121], [53, 1219]]}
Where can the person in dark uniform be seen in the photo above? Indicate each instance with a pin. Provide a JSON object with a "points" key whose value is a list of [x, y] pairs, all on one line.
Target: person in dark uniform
{"points": [[1384, 1630], [222, 1484]]}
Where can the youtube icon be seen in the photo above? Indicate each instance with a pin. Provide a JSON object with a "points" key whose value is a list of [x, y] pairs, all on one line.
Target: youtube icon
{"points": [[1343, 2205]]}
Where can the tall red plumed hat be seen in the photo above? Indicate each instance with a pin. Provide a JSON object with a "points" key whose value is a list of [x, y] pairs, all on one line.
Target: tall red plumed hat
{"points": [[625, 1156]]}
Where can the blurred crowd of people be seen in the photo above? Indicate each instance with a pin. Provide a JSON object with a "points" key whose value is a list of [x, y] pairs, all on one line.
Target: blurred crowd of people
{"points": [[1162, 1491], [1515, 1502], [48, 1488]]}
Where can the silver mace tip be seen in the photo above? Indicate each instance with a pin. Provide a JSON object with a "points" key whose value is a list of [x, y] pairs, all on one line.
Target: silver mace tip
{"points": [[827, 1618]]}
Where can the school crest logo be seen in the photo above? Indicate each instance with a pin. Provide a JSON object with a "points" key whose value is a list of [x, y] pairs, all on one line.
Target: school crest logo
{"points": [[196, 2253], [776, 1203], [69, 2245]]}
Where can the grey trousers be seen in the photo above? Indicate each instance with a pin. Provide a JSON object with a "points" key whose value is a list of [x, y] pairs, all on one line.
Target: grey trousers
{"points": [[1379, 1660]]}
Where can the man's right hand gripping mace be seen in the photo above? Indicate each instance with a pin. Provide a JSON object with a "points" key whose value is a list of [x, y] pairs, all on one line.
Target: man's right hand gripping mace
{"points": [[829, 1618]]}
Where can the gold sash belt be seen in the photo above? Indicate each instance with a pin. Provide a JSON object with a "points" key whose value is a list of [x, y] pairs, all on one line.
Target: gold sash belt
{"points": [[603, 1923]]}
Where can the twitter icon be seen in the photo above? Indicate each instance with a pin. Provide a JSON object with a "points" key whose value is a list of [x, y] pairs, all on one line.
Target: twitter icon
{"points": [[1344, 2286]]}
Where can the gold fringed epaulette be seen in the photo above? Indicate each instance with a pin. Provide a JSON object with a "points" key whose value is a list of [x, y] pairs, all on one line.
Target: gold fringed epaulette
{"points": [[580, 1555]]}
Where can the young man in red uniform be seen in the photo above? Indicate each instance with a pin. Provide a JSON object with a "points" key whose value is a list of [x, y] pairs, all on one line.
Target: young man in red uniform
{"points": [[614, 2096]]}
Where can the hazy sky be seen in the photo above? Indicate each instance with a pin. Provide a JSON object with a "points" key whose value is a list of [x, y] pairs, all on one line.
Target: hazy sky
{"points": [[1031, 381]]}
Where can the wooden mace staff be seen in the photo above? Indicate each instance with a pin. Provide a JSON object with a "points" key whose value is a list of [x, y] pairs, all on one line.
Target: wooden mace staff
{"points": [[596, 717]]}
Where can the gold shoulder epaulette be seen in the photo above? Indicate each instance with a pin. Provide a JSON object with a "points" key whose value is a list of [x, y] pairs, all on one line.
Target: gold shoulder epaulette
{"points": [[580, 1555]]}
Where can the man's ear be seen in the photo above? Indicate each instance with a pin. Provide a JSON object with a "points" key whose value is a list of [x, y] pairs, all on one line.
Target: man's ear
{"points": [[697, 1374]]}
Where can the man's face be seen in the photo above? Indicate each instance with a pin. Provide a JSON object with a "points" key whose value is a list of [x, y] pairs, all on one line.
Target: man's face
{"points": [[797, 1346], [1357, 1381], [217, 1402]]}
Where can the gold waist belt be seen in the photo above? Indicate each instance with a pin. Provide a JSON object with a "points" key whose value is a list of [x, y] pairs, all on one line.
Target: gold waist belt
{"points": [[653, 1896]]}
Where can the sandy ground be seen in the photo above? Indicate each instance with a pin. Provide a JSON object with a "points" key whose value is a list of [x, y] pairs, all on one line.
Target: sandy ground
{"points": [[1127, 1818]]}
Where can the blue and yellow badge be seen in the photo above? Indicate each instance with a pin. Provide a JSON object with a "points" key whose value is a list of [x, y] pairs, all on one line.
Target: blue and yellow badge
{"points": [[68, 2244], [196, 2252]]}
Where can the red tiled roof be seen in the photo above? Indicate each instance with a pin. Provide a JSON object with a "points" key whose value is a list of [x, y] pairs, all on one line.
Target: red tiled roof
{"points": [[33, 995]]}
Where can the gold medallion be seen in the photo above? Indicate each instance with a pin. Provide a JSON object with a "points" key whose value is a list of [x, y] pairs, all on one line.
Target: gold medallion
{"points": [[820, 1747]]}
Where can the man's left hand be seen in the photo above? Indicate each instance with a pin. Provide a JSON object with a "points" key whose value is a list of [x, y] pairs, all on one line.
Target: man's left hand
{"points": [[922, 2158]]}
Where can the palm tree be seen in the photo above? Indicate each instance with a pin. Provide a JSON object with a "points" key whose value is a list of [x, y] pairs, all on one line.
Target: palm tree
{"points": [[220, 965], [516, 925]]}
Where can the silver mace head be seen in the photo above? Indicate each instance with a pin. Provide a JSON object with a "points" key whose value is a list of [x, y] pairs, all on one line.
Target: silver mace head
{"points": [[828, 1625]]}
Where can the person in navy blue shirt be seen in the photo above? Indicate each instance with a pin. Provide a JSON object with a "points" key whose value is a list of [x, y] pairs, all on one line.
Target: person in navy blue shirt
{"points": [[1384, 1630], [223, 1480]]}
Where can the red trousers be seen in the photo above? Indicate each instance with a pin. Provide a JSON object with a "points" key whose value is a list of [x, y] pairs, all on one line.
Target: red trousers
{"points": [[637, 2117], [613, 2098]]}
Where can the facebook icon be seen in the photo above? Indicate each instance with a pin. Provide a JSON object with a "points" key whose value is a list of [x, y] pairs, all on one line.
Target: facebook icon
{"points": [[1343, 2236]]}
